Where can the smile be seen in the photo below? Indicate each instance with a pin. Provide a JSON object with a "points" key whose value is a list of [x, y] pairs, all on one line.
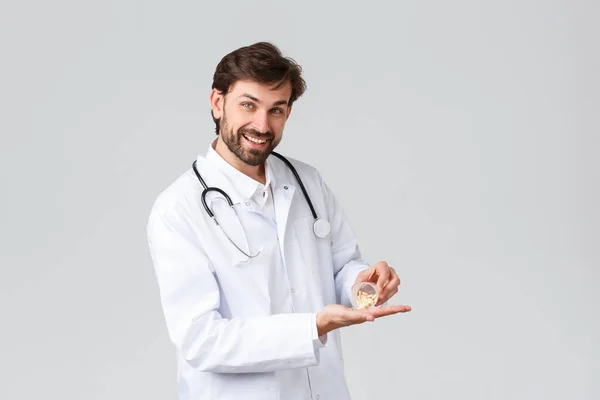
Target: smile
{"points": [[253, 140]]}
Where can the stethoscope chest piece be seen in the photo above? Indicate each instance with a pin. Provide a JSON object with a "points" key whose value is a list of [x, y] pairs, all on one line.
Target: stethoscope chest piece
{"points": [[321, 227]]}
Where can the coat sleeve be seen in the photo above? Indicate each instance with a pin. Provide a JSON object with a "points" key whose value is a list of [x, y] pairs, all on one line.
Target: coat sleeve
{"points": [[347, 259], [190, 298]]}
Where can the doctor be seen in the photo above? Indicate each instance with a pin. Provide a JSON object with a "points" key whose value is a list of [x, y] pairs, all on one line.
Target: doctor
{"points": [[253, 302]]}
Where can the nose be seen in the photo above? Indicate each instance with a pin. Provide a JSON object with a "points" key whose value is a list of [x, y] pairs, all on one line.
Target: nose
{"points": [[261, 122]]}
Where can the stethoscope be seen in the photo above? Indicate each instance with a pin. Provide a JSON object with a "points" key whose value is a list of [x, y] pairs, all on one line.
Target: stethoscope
{"points": [[321, 226]]}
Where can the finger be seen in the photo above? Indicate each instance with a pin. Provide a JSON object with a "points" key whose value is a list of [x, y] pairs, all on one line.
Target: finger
{"points": [[383, 273], [390, 289], [365, 275], [389, 310], [370, 278], [393, 278], [384, 313], [387, 294]]}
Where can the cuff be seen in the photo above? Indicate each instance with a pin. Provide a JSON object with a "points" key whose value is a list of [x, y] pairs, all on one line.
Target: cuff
{"points": [[318, 341]]}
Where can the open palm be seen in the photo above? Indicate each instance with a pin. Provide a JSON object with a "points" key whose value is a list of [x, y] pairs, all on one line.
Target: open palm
{"points": [[335, 316]]}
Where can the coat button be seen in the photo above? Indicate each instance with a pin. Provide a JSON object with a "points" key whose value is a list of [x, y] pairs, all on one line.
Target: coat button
{"points": [[248, 204], [318, 397], [285, 187], [293, 290]]}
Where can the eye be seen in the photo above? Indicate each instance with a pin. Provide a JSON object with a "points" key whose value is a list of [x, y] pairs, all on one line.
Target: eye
{"points": [[247, 105], [277, 111]]}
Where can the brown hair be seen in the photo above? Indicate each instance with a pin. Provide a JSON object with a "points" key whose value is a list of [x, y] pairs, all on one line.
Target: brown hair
{"points": [[261, 62]]}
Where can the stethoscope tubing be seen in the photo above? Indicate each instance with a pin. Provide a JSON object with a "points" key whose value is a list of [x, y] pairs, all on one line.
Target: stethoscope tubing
{"points": [[320, 226], [215, 189], [291, 167]]}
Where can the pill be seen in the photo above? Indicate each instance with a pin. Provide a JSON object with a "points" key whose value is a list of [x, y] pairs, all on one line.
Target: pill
{"points": [[365, 300]]}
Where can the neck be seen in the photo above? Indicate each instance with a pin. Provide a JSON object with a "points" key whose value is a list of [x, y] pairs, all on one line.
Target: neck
{"points": [[255, 172]]}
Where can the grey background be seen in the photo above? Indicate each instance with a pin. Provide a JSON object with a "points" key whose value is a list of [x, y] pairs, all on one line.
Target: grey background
{"points": [[460, 137]]}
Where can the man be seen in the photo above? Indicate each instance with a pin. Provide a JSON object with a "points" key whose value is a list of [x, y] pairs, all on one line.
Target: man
{"points": [[254, 298]]}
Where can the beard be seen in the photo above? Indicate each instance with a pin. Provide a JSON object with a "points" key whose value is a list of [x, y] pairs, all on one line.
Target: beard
{"points": [[234, 142]]}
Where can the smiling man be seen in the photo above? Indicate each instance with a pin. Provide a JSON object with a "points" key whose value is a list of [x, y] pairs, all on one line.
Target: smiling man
{"points": [[254, 257], [250, 123]]}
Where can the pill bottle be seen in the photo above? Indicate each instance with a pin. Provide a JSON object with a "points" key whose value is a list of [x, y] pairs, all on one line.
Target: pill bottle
{"points": [[364, 295]]}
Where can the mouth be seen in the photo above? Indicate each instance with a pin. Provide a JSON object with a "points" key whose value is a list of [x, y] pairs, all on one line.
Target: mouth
{"points": [[255, 142]]}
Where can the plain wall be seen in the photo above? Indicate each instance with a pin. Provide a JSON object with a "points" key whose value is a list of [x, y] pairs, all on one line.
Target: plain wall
{"points": [[460, 137]]}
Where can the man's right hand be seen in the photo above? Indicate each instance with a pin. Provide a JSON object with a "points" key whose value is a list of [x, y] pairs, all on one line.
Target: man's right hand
{"points": [[336, 316]]}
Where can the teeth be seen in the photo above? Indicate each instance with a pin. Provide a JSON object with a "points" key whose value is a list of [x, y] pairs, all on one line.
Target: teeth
{"points": [[254, 140]]}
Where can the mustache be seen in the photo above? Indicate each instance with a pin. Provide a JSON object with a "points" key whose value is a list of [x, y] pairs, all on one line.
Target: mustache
{"points": [[255, 133]]}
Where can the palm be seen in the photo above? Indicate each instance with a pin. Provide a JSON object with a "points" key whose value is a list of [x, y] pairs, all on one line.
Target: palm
{"points": [[339, 316], [340, 313]]}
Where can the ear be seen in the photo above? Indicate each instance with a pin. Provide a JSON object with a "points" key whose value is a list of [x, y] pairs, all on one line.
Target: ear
{"points": [[289, 111], [216, 103]]}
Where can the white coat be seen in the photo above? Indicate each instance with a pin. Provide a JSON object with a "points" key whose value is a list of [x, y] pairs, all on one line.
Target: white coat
{"points": [[237, 335]]}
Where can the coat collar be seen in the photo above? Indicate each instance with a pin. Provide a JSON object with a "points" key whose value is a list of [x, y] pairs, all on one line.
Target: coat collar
{"points": [[283, 185], [217, 172], [243, 184]]}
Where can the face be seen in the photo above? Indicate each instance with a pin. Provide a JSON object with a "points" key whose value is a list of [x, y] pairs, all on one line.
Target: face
{"points": [[252, 118]]}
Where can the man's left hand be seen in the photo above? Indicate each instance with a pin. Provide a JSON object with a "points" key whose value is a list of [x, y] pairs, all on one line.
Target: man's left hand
{"points": [[384, 276]]}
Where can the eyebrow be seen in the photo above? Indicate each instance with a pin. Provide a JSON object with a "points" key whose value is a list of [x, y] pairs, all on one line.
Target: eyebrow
{"points": [[277, 103]]}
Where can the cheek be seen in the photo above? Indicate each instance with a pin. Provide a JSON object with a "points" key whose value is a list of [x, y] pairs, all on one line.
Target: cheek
{"points": [[277, 126], [235, 118], [243, 121]]}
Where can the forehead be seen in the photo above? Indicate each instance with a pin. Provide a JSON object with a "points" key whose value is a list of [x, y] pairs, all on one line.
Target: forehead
{"points": [[261, 91]]}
